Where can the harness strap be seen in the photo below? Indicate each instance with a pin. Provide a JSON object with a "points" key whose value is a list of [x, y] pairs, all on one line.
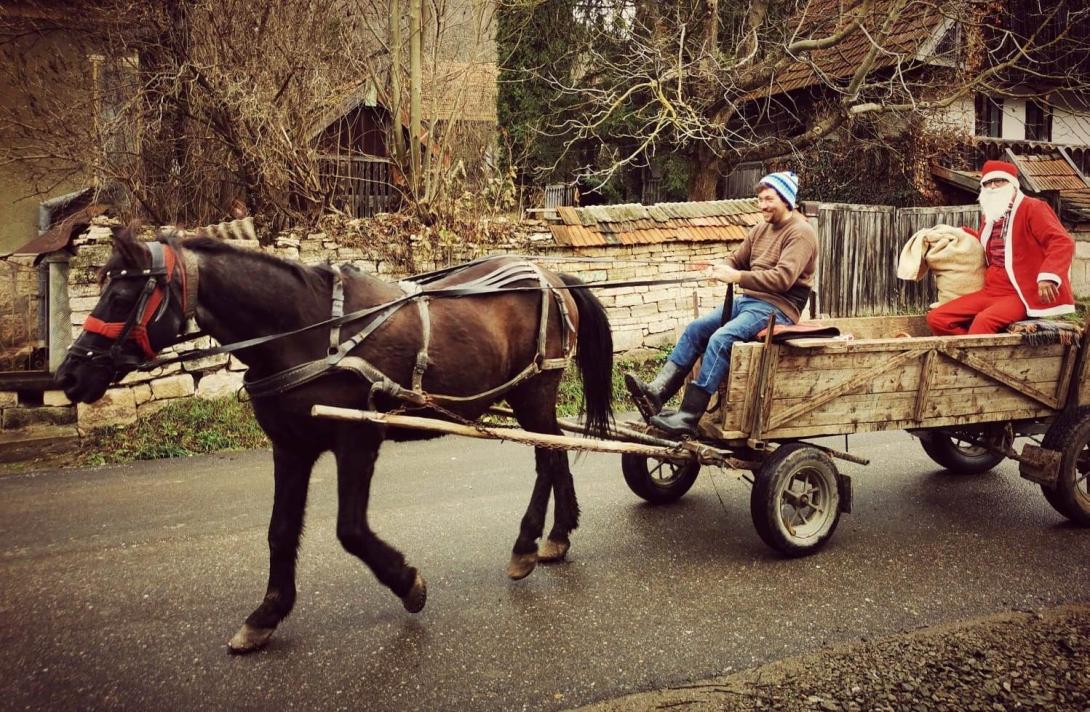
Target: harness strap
{"points": [[337, 310]]}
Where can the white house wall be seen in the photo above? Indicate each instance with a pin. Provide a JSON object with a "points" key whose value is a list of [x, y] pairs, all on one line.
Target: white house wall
{"points": [[1070, 127]]}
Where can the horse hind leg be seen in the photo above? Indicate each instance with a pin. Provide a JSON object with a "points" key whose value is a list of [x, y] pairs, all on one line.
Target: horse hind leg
{"points": [[356, 454], [291, 475], [535, 409], [565, 514]]}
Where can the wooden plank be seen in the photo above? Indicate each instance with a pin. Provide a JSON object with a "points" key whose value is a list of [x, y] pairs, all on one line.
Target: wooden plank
{"points": [[947, 375], [819, 361], [858, 381], [770, 385], [927, 374], [824, 429], [919, 342], [1067, 368], [979, 364], [734, 412], [512, 434], [867, 407], [760, 385]]}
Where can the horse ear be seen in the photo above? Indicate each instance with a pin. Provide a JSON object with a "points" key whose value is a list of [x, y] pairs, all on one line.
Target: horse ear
{"points": [[132, 251]]}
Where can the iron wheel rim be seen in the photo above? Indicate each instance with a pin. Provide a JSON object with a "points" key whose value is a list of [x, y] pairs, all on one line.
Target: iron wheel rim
{"points": [[806, 504]]}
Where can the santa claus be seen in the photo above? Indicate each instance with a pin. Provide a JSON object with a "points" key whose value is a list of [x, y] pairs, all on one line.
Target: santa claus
{"points": [[1028, 256]]}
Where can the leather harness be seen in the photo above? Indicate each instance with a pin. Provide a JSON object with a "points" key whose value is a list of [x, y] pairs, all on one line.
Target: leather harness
{"points": [[338, 358]]}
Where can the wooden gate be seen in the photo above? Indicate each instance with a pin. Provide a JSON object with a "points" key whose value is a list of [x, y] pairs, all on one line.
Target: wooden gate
{"points": [[359, 186]]}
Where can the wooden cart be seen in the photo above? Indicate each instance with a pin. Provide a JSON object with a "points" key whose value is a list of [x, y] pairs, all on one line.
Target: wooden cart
{"points": [[966, 398]]}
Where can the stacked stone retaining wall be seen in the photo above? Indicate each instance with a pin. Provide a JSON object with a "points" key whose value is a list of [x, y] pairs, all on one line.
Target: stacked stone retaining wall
{"points": [[641, 317]]}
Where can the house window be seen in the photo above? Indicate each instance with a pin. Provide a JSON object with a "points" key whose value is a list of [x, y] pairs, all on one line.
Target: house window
{"points": [[1038, 122], [989, 116]]}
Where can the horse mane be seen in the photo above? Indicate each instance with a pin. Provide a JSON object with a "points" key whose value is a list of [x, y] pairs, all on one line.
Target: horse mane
{"points": [[315, 276]]}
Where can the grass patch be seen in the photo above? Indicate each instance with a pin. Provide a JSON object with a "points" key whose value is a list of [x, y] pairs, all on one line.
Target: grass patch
{"points": [[571, 389], [189, 426]]}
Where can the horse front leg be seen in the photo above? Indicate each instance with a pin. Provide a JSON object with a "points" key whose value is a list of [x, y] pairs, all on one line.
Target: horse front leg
{"points": [[356, 453], [291, 475]]}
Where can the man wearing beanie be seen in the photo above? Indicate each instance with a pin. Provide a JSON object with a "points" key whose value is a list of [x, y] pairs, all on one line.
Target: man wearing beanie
{"points": [[1028, 254], [775, 267]]}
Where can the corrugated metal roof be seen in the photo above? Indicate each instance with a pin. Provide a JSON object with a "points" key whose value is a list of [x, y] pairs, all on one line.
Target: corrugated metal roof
{"points": [[635, 224], [1041, 172]]}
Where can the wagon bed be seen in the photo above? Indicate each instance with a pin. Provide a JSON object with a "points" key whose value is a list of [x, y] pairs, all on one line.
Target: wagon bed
{"points": [[807, 388]]}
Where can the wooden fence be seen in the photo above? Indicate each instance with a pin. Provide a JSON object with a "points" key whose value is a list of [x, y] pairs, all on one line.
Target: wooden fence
{"points": [[359, 186], [559, 195], [740, 182], [859, 246]]}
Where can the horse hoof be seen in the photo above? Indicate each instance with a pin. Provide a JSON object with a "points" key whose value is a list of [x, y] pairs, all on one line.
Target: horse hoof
{"points": [[417, 596], [521, 565], [248, 639], [552, 551]]}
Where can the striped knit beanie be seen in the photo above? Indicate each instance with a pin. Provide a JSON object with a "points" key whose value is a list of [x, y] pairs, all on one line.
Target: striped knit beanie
{"points": [[786, 183]]}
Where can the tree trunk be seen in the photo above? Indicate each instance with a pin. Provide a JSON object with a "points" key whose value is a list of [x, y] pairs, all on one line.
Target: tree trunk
{"points": [[704, 174], [415, 90]]}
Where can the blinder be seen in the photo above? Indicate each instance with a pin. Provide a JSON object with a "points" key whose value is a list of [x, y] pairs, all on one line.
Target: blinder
{"points": [[145, 320]]}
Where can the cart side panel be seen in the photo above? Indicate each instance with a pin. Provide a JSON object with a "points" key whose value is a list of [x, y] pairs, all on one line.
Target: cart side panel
{"points": [[912, 383], [738, 394]]}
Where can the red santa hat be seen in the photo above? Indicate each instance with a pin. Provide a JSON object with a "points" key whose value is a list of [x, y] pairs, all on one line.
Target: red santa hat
{"points": [[999, 169]]}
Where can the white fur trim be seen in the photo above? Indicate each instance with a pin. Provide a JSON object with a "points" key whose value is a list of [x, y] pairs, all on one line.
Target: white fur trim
{"points": [[1043, 276], [1052, 311], [1008, 251], [992, 175]]}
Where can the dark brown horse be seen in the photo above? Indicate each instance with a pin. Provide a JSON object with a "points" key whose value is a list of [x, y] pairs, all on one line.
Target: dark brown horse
{"points": [[483, 340]]}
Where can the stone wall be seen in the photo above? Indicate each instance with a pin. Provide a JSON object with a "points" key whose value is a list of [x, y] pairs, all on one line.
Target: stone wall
{"points": [[641, 317], [1080, 266]]}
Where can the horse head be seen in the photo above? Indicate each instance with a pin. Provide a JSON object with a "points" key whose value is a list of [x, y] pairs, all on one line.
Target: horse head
{"points": [[142, 310]]}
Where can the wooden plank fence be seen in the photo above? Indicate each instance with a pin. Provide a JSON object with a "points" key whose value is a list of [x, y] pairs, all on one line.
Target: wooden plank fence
{"points": [[359, 186], [859, 246], [559, 195]]}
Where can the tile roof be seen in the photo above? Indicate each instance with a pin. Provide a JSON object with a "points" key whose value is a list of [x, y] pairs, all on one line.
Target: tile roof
{"points": [[635, 224], [917, 23]]}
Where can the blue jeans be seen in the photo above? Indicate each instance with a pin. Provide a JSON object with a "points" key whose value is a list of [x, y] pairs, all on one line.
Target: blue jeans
{"points": [[704, 336]]}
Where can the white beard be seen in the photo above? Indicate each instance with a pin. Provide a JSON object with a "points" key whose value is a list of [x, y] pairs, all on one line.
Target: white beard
{"points": [[995, 201]]}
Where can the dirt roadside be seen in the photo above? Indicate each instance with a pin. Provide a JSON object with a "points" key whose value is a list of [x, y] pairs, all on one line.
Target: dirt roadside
{"points": [[1019, 660]]}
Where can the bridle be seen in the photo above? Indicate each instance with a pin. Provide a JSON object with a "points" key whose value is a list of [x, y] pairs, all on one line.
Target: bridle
{"points": [[146, 315]]}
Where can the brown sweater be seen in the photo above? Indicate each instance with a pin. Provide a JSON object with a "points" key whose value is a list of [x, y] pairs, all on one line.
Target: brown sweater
{"points": [[778, 263]]}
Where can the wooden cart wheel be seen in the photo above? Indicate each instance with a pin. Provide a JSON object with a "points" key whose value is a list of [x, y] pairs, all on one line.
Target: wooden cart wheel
{"points": [[658, 481], [1070, 434], [795, 502], [958, 456]]}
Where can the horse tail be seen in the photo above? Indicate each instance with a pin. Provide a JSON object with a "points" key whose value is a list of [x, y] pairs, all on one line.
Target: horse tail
{"points": [[594, 357]]}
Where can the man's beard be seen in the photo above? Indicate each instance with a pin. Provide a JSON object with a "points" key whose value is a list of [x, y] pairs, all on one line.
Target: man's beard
{"points": [[995, 201]]}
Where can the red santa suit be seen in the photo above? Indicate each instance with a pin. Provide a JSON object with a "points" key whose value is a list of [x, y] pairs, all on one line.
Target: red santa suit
{"points": [[1036, 248]]}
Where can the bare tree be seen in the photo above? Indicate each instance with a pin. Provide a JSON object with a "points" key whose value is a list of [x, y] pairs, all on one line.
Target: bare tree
{"points": [[727, 82], [189, 104]]}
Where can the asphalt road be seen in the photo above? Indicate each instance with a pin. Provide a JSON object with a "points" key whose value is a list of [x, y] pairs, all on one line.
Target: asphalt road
{"points": [[121, 585]]}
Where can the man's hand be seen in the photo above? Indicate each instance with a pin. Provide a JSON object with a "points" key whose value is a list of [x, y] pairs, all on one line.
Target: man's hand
{"points": [[725, 273], [1048, 291]]}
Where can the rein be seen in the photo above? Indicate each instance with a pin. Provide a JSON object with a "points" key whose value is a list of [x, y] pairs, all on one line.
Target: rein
{"points": [[453, 291]]}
